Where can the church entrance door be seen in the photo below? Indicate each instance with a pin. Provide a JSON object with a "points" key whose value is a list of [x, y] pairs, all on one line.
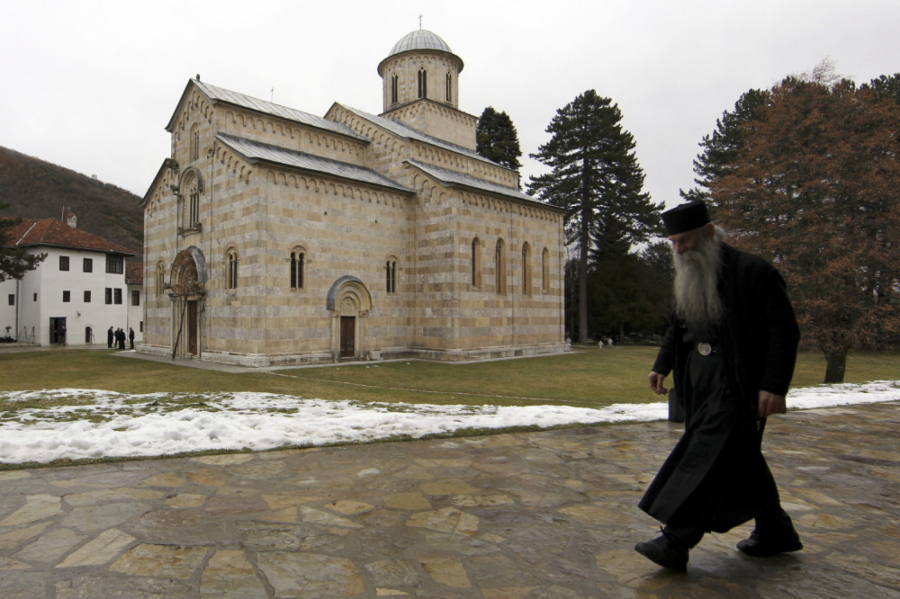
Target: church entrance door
{"points": [[348, 336]]}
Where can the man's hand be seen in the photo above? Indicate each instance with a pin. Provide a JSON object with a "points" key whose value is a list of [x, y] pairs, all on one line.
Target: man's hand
{"points": [[770, 404], [656, 383]]}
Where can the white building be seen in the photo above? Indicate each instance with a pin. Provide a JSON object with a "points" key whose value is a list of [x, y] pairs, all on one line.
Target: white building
{"points": [[74, 295], [134, 278]]}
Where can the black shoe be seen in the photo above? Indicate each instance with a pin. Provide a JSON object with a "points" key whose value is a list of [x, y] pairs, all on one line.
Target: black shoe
{"points": [[768, 545], [666, 552]]}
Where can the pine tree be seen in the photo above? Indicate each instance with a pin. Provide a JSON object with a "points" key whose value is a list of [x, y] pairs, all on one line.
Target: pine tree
{"points": [[885, 87], [496, 138], [14, 262], [721, 148], [596, 178]]}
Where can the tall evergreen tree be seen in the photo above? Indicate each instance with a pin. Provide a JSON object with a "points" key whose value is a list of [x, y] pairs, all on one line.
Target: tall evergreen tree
{"points": [[885, 87], [814, 190], [496, 138], [14, 262], [721, 148], [596, 178]]}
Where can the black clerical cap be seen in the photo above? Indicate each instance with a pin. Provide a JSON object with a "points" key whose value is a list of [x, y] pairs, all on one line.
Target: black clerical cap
{"points": [[685, 217]]}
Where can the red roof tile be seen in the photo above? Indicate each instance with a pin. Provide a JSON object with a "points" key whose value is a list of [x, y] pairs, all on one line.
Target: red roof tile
{"points": [[51, 232], [134, 273]]}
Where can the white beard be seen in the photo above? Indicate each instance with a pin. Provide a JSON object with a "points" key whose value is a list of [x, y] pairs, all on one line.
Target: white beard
{"points": [[697, 300]]}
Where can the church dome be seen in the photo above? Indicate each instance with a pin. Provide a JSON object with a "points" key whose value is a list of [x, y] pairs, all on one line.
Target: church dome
{"points": [[420, 39]]}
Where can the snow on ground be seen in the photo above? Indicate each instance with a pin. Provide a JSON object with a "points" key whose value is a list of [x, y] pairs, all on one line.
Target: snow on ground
{"points": [[104, 423]]}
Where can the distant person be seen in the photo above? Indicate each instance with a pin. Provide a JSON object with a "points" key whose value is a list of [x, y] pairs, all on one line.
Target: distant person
{"points": [[110, 335], [62, 335], [131, 336], [120, 338], [732, 348]]}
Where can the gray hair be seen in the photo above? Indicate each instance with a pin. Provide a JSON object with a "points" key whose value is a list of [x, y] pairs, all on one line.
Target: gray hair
{"points": [[697, 299]]}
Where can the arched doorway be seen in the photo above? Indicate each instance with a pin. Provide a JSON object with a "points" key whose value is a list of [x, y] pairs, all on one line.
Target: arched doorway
{"points": [[187, 292], [349, 302]]}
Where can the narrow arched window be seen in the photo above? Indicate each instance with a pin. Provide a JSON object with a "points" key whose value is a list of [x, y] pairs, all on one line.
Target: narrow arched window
{"points": [[545, 270], [195, 206], [423, 83], [526, 269], [476, 262], [500, 268], [391, 275], [190, 201], [231, 269], [395, 88], [449, 85], [160, 277], [195, 142], [298, 263]]}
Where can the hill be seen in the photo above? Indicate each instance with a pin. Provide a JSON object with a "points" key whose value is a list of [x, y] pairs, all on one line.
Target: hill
{"points": [[37, 189]]}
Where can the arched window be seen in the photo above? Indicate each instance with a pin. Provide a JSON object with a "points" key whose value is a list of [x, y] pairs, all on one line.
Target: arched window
{"points": [[476, 262], [395, 88], [526, 269], [500, 268], [231, 269], [160, 277], [390, 269], [190, 189], [423, 83], [298, 266], [545, 270], [449, 87], [195, 141], [195, 206]]}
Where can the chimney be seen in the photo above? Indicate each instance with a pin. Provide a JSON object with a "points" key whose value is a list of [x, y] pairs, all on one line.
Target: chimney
{"points": [[72, 220]]}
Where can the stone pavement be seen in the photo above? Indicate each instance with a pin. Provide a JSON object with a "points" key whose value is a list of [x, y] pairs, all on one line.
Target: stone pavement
{"points": [[528, 515]]}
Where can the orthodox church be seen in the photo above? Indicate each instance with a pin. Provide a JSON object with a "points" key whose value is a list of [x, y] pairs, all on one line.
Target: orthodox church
{"points": [[277, 237]]}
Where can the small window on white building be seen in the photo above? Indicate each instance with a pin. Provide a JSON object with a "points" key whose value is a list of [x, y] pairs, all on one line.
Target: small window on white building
{"points": [[115, 264]]}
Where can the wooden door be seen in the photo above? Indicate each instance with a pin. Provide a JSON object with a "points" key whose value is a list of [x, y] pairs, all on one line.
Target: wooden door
{"points": [[192, 327], [348, 336]]}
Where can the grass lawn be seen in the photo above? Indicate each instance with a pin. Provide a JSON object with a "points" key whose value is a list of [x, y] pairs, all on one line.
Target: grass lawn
{"points": [[587, 377]]}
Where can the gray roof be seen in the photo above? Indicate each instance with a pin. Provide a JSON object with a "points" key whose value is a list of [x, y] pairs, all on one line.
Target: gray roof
{"points": [[218, 94], [406, 132], [420, 39], [254, 151], [454, 179]]}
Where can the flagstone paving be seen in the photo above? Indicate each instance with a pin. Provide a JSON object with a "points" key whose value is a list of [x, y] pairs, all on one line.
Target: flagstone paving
{"points": [[535, 515]]}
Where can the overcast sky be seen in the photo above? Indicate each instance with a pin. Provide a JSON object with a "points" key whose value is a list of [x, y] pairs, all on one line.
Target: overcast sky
{"points": [[91, 84]]}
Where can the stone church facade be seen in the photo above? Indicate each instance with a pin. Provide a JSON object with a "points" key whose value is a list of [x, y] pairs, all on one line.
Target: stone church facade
{"points": [[277, 237]]}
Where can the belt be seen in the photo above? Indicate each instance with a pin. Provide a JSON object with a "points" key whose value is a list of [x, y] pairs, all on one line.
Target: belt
{"points": [[705, 349]]}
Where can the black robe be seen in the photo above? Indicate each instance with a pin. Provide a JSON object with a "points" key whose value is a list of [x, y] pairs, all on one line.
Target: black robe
{"points": [[716, 475]]}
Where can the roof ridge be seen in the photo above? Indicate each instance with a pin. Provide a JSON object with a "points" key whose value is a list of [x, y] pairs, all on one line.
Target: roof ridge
{"points": [[33, 225]]}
